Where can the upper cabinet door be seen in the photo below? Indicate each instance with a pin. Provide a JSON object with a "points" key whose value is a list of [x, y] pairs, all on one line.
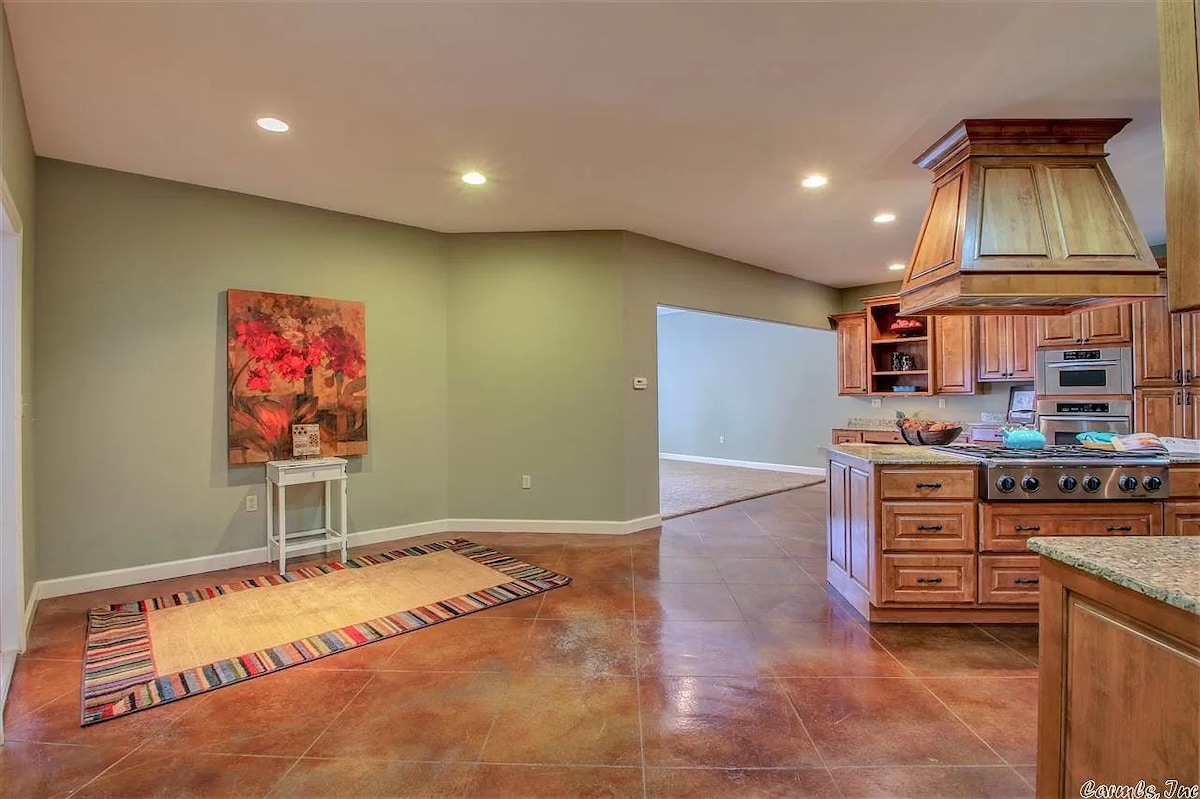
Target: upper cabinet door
{"points": [[955, 355], [852, 353], [993, 347], [1155, 345], [1108, 326], [1021, 336], [1060, 331], [1189, 348]]}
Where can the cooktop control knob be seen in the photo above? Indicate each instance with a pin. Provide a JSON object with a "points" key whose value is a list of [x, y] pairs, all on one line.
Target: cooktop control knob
{"points": [[1127, 483], [1091, 483], [1067, 483], [1030, 483], [1152, 483], [1006, 484]]}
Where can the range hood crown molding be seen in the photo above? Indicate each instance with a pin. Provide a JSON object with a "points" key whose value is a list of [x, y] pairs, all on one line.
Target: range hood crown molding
{"points": [[1026, 218]]}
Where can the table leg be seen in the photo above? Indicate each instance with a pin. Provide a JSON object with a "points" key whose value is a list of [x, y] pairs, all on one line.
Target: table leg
{"points": [[270, 526], [282, 529], [328, 516], [345, 527]]}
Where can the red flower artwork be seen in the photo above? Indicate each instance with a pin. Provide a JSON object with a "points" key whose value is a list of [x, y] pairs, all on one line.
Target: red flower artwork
{"points": [[295, 360]]}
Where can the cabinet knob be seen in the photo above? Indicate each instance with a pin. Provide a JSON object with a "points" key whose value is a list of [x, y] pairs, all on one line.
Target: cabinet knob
{"points": [[1178, 375], [1027, 529], [929, 580], [1026, 580], [1120, 528], [930, 527], [929, 485]]}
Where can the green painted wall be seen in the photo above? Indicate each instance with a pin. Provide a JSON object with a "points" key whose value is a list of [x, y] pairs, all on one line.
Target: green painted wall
{"points": [[131, 362], [535, 376], [17, 167]]}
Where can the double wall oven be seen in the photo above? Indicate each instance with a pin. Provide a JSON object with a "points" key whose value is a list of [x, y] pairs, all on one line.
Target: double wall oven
{"points": [[1084, 390]]}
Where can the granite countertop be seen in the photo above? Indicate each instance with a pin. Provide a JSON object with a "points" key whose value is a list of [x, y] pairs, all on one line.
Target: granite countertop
{"points": [[1166, 568], [888, 425], [898, 454]]}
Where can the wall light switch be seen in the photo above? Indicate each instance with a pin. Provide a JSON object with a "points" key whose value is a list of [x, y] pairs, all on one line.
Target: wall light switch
{"points": [[876, 402], [941, 403], [721, 439], [252, 502], [526, 481], [640, 383]]}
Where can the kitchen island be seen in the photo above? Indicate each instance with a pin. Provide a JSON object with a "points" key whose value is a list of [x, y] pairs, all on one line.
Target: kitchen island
{"points": [[916, 534], [1119, 664]]}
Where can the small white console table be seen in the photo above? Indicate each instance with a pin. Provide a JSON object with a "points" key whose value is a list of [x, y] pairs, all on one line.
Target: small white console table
{"points": [[280, 475]]}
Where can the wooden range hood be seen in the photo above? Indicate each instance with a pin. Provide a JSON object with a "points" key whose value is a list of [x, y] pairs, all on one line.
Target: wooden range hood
{"points": [[1026, 218]]}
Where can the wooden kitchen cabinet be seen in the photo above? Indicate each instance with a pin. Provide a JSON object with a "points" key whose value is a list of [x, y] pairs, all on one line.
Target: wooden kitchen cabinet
{"points": [[1104, 327], [1157, 345], [1182, 518], [954, 367], [1189, 347], [1158, 411], [851, 352], [1118, 686], [1007, 527], [1006, 347], [847, 437]]}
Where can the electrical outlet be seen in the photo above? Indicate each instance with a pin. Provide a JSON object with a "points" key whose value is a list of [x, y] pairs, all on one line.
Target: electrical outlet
{"points": [[252, 502], [721, 439], [941, 403], [526, 481], [876, 402]]}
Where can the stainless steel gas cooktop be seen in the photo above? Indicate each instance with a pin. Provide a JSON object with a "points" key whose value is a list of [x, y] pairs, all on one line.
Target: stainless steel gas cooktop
{"points": [[1067, 473]]}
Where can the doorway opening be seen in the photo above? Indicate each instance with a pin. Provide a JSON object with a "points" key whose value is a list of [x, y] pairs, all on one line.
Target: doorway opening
{"points": [[743, 406], [12, 557]]}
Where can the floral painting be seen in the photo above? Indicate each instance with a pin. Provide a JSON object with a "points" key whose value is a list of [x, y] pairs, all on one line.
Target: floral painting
{"points": [[295, 360]]}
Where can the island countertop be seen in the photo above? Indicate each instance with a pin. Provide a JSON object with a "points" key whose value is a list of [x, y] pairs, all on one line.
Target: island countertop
{"points": [[1166, 568], [898, 454]]}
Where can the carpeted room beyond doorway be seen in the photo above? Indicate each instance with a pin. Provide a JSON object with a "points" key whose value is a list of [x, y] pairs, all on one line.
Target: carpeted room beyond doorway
{"points": [[687, 487]]}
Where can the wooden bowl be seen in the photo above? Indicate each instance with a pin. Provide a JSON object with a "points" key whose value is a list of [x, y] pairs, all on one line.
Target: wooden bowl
{"points": [[926, 438]]}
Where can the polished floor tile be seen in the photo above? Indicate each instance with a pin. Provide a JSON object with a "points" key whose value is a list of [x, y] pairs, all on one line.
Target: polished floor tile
{"points": [[705, 658], [892, 721], [932, 782], [722, 722]]}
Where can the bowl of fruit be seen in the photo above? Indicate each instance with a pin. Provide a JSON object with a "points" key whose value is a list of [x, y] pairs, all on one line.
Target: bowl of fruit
{"points": [[922, 432]]}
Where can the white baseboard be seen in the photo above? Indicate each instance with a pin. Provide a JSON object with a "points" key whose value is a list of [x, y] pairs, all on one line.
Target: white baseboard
{"points": [[115, 578], [770, 467], [553, 526], [31, 609]]}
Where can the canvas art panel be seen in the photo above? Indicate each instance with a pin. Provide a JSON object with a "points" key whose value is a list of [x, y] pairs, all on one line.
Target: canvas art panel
{"points": [[295, 360]]}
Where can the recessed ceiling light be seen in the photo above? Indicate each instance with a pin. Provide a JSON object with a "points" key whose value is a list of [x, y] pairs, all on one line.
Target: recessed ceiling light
{"points": [[813, 181], [895, 267], [272, 124], [474, 178], [884, 218]]}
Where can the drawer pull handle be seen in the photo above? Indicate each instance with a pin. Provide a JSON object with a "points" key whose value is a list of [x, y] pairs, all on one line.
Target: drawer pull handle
{"points": [[1027, 529], [1119, 528], [929, 485], [929, 579], [931, 527], [1026, 580]]}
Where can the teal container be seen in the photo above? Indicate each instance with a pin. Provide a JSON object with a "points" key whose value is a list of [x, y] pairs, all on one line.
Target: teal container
{"points": [[1023, 438]]}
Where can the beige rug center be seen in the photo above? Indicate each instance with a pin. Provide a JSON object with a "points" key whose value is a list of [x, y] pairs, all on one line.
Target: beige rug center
{"points": [[187, 636]]}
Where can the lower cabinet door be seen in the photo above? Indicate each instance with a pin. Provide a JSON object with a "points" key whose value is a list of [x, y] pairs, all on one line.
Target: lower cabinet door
{"points": [[1183, 518], [1008, 579], [928, 579]]}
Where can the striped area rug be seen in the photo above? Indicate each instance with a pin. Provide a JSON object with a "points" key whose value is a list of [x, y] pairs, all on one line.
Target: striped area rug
{"points": [[153, 651]]}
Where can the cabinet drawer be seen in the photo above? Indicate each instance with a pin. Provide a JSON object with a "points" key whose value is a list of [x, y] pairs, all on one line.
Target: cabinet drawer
{"points": [[876, 437], [1008, 579], [928, 579], [928, 483], [1005, 528], [1185, 481], [936, 526], [847, 437], [293, 476], [1183, 518]]}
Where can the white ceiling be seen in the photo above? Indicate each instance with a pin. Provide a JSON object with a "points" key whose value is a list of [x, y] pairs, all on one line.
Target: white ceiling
{"points": [[688, 122]]}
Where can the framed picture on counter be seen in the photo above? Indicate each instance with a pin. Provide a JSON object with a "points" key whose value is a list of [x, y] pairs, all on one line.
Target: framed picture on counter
{"points": [[1020, 405]]}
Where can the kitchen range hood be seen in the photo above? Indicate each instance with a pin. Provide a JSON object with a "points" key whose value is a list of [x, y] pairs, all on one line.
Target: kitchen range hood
{"points": [[1026, 218]]}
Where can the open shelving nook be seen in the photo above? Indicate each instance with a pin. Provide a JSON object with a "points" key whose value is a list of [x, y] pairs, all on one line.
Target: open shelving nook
{"points": [[898, 364]]}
